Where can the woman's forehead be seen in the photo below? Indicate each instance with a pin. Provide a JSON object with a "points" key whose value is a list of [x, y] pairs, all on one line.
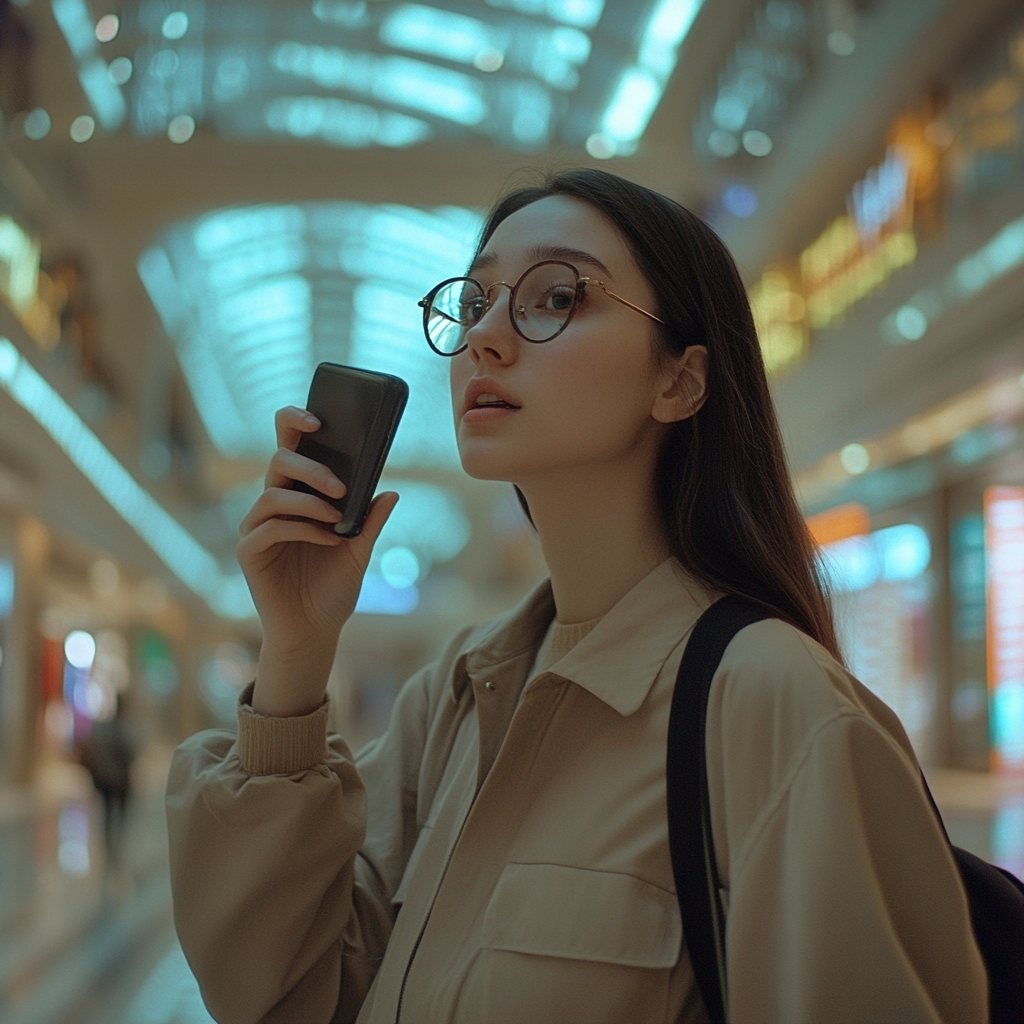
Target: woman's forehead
{"points": [[552, 225]]}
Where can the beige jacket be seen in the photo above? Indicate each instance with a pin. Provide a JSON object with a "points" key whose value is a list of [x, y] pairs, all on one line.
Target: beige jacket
{"points": [[525, 843]]}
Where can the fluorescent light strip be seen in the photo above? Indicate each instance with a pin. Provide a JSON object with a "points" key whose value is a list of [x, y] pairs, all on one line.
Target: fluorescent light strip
{"points": [[174, 545], [104, 94], [641, 86]]}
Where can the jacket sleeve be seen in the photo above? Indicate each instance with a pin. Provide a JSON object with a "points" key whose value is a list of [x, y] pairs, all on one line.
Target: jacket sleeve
{"points": [[284, 859], [844, 902]]}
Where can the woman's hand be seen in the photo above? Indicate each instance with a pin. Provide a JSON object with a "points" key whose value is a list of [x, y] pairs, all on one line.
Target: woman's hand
{"points": [[304, 578]]}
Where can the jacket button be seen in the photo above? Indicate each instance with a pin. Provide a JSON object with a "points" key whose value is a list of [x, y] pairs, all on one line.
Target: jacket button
{"points": [[490, 685]]}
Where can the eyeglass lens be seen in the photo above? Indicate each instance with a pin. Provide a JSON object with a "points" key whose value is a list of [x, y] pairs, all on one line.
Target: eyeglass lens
{"points": [[542, 303]]}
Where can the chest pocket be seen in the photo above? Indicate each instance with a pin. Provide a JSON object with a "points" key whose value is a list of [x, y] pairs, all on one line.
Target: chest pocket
{"points": [[575, 913]]}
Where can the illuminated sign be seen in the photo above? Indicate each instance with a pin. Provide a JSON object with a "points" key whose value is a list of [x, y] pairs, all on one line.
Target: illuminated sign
{"points": [[1004, 558], [780, 315], [850, 520], [859, 250]]}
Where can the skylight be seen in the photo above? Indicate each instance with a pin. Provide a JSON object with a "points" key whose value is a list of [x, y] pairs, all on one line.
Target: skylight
{"points": [[254, 297], [523, 73]]}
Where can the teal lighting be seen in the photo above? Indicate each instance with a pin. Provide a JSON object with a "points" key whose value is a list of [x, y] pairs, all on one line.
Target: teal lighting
{"points": [[522, 73], [583, 14], [342, 123], [890, 555], [1003, 252], [6, 587], [196, 567], [402, 81], [437, 33], [641, 85], [255, 297], [101, 90]]}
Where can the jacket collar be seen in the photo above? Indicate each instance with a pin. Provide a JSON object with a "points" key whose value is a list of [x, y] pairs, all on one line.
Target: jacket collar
{"points": [[619, 660]]}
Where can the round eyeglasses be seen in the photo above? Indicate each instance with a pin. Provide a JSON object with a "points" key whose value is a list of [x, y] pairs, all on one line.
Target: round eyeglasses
{"points": [[540, 305]]}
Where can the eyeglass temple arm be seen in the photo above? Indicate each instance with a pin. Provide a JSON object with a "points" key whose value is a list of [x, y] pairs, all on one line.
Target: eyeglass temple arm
{"points": [[619, 298]]}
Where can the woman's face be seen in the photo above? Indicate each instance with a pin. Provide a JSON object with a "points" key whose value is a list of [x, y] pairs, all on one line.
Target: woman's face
{"points": [[582, 399]]}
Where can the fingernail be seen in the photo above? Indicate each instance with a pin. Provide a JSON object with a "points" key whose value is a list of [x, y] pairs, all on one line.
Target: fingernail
{"points": [[310, 418], [336, 486]]}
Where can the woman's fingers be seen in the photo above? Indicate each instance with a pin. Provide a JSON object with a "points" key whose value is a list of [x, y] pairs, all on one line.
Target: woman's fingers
{"points": [[286, 466], [281, 531], [291, 423], [380, 511], [276, 502]]}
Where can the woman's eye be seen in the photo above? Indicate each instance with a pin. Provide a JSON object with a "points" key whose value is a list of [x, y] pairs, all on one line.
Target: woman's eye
{"points": [[560, 299]]}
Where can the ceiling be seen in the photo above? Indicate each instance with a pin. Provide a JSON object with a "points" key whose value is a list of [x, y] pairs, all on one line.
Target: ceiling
{"points": [[111, 198]]}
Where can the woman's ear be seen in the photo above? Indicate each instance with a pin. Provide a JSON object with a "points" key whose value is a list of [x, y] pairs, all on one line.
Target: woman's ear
{"points": [[682, 386]]}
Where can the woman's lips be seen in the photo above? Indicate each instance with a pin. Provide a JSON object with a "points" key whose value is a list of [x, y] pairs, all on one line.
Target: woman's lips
{"points": [[483, 413]]}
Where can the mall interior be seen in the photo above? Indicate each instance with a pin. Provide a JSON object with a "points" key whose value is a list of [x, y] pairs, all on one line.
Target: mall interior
{"points": [[200, 200]]}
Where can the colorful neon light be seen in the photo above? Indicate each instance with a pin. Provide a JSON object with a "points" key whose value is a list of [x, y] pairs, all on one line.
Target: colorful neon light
{"points": [[1004, 558]]}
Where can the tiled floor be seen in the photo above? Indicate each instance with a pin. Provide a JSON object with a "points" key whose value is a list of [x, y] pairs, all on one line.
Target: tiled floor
{"points": [[81, 944]]}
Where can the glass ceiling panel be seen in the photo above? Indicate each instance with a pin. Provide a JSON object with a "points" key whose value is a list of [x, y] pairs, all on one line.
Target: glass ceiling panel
{"points": [[524, 73], [254, 297]]}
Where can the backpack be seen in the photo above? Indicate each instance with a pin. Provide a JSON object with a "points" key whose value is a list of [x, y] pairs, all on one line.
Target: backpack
{"points": [[995, 897]]}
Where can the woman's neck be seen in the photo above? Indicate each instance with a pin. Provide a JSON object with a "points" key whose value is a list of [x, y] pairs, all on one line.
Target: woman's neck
{"points": [[600, 534]]}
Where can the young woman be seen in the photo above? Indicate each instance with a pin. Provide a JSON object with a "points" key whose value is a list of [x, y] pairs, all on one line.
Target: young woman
{"points": [[500, 854]]}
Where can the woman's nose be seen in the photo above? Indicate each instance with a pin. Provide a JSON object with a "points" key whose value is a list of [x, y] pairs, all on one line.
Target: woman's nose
{"points": [[492, 336]]}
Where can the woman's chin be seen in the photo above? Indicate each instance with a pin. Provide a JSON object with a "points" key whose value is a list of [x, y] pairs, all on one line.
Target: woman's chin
{"points": [[488, 465]]}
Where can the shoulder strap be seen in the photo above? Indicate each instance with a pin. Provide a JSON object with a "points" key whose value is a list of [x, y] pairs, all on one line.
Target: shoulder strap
{"points": [[689, 807]]}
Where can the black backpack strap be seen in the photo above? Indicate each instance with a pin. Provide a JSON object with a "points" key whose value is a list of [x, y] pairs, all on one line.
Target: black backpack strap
{"points": [[689, 806]]}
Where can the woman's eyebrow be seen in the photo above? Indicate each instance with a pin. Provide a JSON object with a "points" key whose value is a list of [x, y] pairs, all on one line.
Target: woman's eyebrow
{"points": [[546, 252]]}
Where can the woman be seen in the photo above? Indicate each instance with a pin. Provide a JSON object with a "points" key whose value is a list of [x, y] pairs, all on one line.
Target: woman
{"points": [[514, 811]]}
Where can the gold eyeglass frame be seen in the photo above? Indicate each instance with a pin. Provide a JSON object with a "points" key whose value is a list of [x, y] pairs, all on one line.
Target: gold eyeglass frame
{"points": [[581, 282]]}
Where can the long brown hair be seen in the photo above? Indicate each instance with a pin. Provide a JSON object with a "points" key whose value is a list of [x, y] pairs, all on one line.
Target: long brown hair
{"points": [[722, 485]]}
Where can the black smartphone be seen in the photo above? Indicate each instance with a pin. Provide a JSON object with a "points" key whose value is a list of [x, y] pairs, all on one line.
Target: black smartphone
{"points": [[359, 411]]}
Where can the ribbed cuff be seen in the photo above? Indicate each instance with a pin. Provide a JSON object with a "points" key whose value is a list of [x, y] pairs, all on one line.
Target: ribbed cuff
{"points": [[279, 746]]}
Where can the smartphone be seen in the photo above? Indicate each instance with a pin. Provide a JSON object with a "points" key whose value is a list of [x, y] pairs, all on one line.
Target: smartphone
{"points": [[359, 412]]}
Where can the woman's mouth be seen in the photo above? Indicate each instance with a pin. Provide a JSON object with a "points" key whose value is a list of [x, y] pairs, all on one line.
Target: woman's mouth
{"points": [[488, 407]]}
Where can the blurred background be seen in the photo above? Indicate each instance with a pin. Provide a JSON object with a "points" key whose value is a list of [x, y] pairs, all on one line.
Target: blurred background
{"points": [[201, 199]]}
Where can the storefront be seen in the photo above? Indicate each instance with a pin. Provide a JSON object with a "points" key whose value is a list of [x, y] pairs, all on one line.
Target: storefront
{"points": [[920, 515]]}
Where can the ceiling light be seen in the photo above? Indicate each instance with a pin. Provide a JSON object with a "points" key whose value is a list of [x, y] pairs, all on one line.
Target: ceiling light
{"points": [[640, 88], [37, 124], [489, 60], [722, 143], [104, 95], [76, 25], [120, 70], [583, 14], [106, 28], [82, 128], [175, 25], [855, 459], [841, 43], [757, 143], [437, 33], [174, 545], [911, 323], [740, 201], [255, 297], [80, 648], [600, 146], [181, 128]]}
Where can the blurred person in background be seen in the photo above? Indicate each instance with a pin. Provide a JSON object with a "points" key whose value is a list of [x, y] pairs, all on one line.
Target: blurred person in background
{"points": [[501, 853], [108, 754]]}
